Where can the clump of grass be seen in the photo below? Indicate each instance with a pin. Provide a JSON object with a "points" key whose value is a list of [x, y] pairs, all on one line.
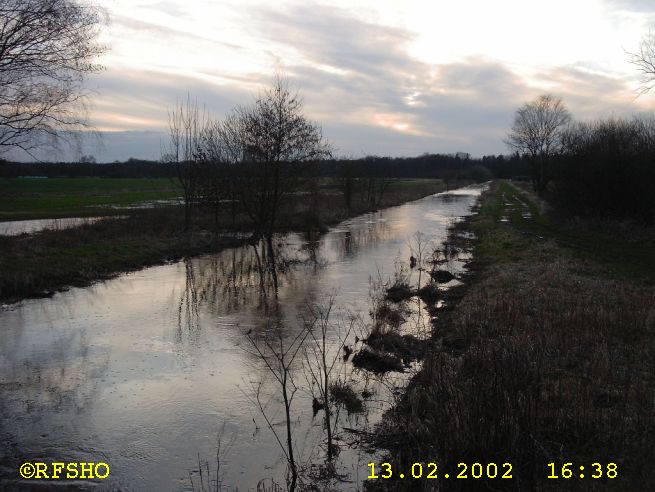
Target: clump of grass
{"points": [[393, 316], [400, 292], [342, 393], [441, 276], [377, 361], [399, 289], [407, 347], [429, 293], [366, 394]]}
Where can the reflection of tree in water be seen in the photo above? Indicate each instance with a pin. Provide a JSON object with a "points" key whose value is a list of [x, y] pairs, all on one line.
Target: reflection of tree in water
{"points": [[188, 315], [63, 379], [359, 237], [269, 286], [239, 279], [312, 245], [275, 337], [45, 394]]}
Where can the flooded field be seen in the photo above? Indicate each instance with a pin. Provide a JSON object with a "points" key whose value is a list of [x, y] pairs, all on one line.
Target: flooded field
{"points": [[149, 371], [17, 227]]}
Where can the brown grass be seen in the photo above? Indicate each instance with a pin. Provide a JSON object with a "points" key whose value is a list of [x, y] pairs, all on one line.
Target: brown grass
{"points": [[544, 360], [343, 394], [377, 361]]}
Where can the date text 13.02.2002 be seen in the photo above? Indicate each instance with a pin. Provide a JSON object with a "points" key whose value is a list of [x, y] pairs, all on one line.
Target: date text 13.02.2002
{"points": [[431, 470]]}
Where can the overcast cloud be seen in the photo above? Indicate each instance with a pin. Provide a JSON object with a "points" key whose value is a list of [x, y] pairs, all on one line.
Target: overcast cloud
{"points": [[385, 78]]}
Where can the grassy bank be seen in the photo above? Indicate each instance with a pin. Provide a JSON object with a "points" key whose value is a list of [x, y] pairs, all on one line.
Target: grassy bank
{"points": [[547, 357], [38, 264]]}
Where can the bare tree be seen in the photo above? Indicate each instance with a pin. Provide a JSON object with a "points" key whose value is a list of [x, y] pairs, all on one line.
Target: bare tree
{"points": [[258, 153], [644, 60], [536, 132], [347, 176], [47, 47], [186, 124], [279, 355], [276, 141], [319, 363], [223, 146], [419, 245], [214, 181]]}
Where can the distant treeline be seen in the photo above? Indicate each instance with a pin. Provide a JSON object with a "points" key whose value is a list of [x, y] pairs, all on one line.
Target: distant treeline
{"points": [[133, 168], [437, 166]]}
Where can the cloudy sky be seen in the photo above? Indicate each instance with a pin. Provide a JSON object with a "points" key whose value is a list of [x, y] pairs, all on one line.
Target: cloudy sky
{"points": [[382, 77]]}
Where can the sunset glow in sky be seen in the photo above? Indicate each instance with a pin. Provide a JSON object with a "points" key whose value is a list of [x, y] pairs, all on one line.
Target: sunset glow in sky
{"points": [[382, 77]]}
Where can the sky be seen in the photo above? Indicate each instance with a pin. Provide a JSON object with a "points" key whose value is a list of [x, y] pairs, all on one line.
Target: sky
{"points": [[382, 77]]}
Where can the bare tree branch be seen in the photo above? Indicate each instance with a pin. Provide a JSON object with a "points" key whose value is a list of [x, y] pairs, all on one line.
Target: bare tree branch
{"points": [[47, 47]]}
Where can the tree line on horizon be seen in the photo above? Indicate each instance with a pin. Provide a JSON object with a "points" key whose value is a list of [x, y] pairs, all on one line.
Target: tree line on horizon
{"points": [[427, 165]]}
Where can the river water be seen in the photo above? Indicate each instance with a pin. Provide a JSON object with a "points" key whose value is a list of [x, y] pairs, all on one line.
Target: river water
{"points": [[146, 372], [18, 227]]}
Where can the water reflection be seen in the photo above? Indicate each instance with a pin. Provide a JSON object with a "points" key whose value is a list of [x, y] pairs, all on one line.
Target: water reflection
{"points": [[17, 227], [144, 370], [354, 239], [50, 393]]}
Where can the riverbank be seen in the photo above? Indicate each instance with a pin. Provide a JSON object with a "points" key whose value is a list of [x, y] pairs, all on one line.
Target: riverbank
{"points": [[545, 356], [39, 264]]}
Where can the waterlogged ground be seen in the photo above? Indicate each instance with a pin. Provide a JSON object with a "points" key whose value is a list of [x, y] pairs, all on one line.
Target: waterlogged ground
{"points": [[17, 227], [146, 371]]}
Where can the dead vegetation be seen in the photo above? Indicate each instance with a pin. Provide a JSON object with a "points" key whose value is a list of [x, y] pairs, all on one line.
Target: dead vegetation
{"points": [[377, 361], [545, 359], [343, 394], [400, 292]]}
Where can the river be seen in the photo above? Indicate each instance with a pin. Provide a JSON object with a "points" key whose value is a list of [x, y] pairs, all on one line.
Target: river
{"points": [[18, 227], [145, 371]]}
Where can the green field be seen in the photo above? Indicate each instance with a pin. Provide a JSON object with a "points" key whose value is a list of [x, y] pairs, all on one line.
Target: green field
{"points": [[22, 199]]}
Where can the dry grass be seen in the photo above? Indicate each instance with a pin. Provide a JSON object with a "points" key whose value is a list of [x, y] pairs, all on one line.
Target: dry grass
{"points": [[377, 361], [544, 360], [343, 394]]}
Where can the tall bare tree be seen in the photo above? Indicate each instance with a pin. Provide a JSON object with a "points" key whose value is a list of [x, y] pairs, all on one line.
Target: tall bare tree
{"points": [[536, 132], [47, 48], [221, 141]]}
